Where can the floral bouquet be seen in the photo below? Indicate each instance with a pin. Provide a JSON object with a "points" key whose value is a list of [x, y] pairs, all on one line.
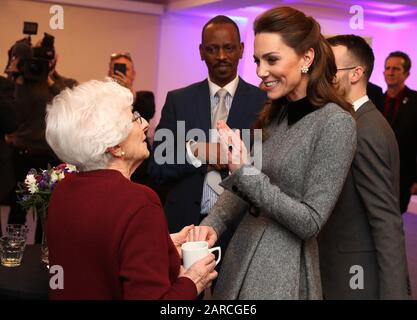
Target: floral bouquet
{"points": [[36, 191], [38, 185]]}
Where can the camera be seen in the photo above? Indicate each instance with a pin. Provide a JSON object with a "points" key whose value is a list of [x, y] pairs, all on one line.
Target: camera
{"points": [[121, 67], [32, 62]]}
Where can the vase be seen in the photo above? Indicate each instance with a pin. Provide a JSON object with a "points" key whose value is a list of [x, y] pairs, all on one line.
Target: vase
{"points": [[42, 214]]}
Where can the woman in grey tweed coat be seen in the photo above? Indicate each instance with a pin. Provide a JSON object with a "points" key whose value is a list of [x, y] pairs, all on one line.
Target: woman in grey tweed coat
{"points": [[309, 142]]}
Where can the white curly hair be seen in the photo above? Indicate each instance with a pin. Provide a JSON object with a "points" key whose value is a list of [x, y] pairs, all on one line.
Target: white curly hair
{"points": [[83, 122]]}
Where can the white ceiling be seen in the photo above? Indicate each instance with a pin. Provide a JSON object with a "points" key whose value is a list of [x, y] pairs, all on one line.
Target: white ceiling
{"points": [[395, 11], [386, 10]]}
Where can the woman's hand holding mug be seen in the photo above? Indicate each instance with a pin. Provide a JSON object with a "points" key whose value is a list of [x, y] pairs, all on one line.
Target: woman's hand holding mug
{"points": [[202, 272]]}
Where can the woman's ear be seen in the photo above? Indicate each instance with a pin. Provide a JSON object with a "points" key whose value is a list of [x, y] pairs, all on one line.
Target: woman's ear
{"points": [[308, 57], [116, 151]]}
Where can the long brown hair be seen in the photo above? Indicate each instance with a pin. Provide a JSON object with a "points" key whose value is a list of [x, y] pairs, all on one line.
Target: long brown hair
{"points": [[302, 33]]}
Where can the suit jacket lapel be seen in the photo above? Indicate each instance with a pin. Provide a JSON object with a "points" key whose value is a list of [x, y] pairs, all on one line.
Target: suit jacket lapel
{"points": [[202, 99], [366, 107], [237, 113]]}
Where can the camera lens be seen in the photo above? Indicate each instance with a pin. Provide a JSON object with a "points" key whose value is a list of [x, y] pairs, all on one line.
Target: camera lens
{"points": [[35, 68]]}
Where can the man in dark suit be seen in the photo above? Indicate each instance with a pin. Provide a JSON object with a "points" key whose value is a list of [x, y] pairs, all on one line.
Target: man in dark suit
{"points": [[362, 248], [400, 109], [194, 186]]}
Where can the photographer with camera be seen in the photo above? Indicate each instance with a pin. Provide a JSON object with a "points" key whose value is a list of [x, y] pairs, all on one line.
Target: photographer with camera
{"points": [[30, 68], [57, 82]]}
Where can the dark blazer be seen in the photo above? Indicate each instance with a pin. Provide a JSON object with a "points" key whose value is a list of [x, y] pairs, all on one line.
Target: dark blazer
{"points": [[376, 95], [365, 227], [192, 105], [405, 129]]}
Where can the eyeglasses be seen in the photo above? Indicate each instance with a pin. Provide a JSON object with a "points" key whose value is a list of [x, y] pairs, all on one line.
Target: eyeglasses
{"points": [[136, 117], [121, 55], [347, 68]]}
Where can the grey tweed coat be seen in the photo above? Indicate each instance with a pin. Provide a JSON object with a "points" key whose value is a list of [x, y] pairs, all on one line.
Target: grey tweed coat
{"points": [[273, 253]]}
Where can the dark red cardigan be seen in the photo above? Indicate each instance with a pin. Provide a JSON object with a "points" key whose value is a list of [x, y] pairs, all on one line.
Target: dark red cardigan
{"points": [[111, 238]]}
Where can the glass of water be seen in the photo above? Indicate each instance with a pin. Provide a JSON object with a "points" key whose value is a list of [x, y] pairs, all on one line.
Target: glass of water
{"points": [[11, 251]]}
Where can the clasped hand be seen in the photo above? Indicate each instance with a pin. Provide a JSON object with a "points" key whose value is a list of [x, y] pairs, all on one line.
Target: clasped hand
{"points": [[230, 153], [233, 146], [202, 272], [194, 233]]}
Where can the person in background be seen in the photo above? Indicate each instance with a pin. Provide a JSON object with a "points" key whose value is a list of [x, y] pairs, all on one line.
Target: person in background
{"points": [[108, 233], [34, 88], [365, 228], [6, 87], [400, 109], [309, 139], [144, 101], [56, 82], [30, 97], [8, 123]]}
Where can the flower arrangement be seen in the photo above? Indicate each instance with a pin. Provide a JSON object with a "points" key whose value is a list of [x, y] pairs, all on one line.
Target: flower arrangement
{"points": [[37, 188], [36, 191]]}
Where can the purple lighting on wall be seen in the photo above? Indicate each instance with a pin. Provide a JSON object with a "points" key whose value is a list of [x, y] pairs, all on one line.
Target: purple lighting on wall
{"points": [[385, 6], [393, 14], [391, 26], [389, 12], [255, 9]]}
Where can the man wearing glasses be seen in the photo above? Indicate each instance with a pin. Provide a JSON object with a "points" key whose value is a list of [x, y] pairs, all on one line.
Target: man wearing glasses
{"points": [[362, 248]]}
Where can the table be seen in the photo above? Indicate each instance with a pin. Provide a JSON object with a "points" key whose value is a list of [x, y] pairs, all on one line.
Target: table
{"points": [[28, 281]]}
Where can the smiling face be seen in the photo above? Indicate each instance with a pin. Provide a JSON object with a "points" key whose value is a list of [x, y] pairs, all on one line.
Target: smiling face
{"points": [[279, 67], [221, 50]]}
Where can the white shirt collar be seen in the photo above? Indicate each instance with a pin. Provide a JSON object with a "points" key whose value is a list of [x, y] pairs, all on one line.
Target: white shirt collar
{"points": [[230, 87], [361, 101]]}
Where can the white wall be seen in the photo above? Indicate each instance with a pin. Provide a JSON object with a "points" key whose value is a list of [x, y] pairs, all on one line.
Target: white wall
{"points": [[179, 62], [88, 38]]}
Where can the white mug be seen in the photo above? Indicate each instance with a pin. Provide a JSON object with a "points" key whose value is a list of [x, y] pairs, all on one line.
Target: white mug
{"points": [[197, 250]]}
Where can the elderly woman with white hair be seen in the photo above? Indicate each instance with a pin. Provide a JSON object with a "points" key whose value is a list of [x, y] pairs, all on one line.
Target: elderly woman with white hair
{"points": [[108, 233]]}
